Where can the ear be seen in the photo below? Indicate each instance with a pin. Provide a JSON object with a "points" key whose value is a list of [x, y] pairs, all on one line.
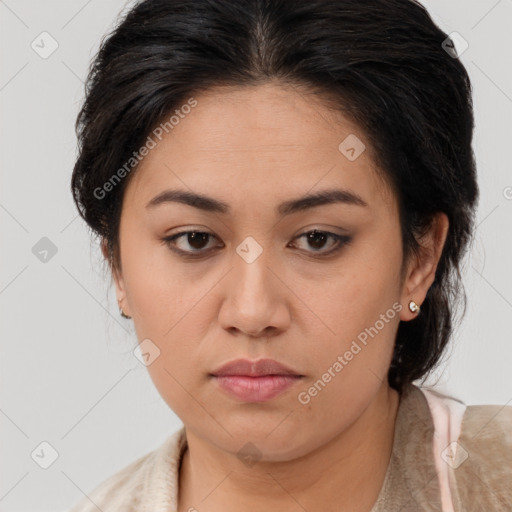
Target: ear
{"points": [[118, 280], [421, 271]]}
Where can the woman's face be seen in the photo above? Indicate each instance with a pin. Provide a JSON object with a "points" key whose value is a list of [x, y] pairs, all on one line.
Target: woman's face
{"points": [[257, 286]]}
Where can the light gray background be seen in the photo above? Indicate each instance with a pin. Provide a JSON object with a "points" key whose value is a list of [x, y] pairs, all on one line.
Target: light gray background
{"points": [[68, 374]]}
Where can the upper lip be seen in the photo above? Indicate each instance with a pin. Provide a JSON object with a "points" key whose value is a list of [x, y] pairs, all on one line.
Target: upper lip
{"points": [[257, 368]]}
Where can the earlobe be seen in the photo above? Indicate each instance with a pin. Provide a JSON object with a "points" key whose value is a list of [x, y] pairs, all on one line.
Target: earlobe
{"points": [[124, 309], [422, 273], [118, 282]]}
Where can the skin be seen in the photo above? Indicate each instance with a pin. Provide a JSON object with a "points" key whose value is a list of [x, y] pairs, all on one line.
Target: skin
{"points": [[254, 148]]}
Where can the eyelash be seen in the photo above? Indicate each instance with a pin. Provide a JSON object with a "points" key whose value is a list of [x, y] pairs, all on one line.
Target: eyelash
{"points": [[341, 241]]}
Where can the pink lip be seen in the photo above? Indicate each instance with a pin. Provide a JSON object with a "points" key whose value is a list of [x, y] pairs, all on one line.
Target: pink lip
{"points": [[255, 381], [259, 368], [256, 389]]}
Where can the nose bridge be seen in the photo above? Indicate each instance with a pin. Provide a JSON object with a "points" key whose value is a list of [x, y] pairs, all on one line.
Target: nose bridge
{"points": [[251, 286], [252, 295]]}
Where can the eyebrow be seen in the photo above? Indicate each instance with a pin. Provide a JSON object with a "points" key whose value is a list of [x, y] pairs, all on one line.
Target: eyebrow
{"points": [[209, 204]]}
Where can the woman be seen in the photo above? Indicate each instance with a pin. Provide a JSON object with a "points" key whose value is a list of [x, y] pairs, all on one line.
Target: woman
{"points": [[284, 193]]}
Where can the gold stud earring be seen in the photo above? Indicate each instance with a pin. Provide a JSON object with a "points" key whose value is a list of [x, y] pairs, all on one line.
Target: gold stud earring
{"points": [[413, 307]]}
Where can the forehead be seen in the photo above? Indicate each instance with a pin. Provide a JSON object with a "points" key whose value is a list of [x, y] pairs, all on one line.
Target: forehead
{"points": [[262, 141]]}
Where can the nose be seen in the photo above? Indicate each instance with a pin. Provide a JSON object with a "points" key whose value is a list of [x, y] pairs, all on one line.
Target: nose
{"points": [[255, 299]]}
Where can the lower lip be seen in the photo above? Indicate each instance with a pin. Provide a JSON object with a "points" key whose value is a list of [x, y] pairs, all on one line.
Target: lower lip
{"points": [[256, 389]]}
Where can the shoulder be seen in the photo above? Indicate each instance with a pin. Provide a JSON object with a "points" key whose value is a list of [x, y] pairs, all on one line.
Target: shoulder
{"points": [[473, 450], [484, 467], [139, 483], [489, 422]]}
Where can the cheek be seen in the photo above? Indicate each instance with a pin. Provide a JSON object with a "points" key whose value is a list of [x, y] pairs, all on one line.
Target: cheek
{"points": [[158, 291], [173, 312], [352, 295], [349, 365], [356, 317]]}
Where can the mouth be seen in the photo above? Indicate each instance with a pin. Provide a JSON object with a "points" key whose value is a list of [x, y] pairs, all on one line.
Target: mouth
{"points": [[255, 381]]}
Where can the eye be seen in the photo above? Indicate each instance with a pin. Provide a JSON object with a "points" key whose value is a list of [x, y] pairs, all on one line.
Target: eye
{"points": [[317, 239], [197, 240], [195, 243]]}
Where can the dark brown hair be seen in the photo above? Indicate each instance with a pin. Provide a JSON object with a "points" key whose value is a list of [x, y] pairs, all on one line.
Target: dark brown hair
{"points": [[381, 62]]}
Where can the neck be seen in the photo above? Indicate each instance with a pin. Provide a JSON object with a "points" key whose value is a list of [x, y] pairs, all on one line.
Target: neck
{"points": [[345, 474]]}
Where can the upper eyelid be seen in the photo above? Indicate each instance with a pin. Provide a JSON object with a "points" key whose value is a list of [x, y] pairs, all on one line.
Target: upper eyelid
{"points": [[308, 230], [185, 232]]}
